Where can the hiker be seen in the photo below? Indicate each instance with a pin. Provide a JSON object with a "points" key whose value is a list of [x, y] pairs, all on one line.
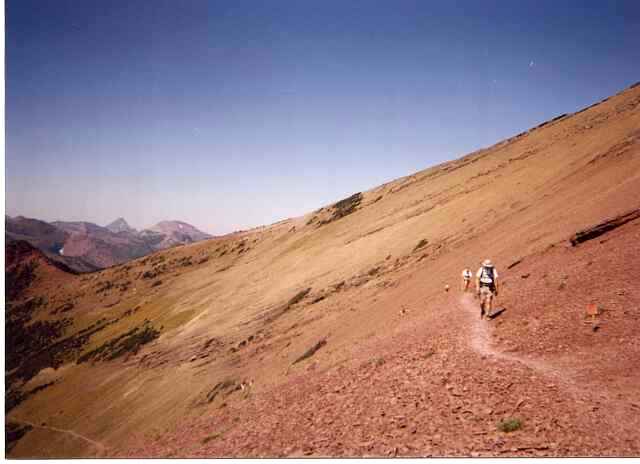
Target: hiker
{"points": [[466, 279], [486, 287]]}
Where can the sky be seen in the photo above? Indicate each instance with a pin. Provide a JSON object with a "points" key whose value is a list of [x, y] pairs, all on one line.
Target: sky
{"points": [[229, 115]]}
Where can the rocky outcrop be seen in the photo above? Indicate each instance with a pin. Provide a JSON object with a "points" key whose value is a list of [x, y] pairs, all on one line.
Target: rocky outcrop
{"points": [[603, 227]]}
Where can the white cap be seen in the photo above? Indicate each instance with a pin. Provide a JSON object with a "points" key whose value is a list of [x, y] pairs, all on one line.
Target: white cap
{"points": [[487, 262]]}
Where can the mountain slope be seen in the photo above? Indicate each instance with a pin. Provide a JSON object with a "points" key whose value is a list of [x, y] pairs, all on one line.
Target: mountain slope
{"points": [[47, 238], [40, 234], [331, 334], [101, 246]]}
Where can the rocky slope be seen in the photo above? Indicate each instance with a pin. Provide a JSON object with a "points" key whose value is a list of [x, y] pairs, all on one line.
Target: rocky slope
{"points": [[332, 335]]}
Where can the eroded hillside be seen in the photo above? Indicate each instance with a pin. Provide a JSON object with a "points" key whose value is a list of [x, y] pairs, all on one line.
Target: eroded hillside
{"points": [[331, 334]]}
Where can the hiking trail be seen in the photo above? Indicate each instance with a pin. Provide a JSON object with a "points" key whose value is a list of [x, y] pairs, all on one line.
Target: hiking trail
{"points": [[99, 446], [564, 376], [481, 344]]}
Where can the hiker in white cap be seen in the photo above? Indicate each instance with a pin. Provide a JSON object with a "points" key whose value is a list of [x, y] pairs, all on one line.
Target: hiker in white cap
{"points": [[486, 287], [466, 279]]}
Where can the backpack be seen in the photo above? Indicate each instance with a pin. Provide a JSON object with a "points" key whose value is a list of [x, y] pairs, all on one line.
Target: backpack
{"points": [[486, 278]]}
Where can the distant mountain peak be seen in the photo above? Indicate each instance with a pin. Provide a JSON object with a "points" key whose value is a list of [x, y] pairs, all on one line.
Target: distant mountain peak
{"points": [[120, 225], [176, 232]]}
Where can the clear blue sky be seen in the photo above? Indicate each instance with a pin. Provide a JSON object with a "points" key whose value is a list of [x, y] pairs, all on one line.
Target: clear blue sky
{"points": [[233, 114]]}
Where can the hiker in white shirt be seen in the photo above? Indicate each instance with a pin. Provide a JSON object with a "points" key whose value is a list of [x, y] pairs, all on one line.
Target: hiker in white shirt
{"points": [[466, 279]]}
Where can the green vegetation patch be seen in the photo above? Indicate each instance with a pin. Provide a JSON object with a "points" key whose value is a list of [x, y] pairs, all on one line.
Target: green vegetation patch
{"points": [[343, 208], [127, 343], [19, 279], [26, 340], [509, 425]]}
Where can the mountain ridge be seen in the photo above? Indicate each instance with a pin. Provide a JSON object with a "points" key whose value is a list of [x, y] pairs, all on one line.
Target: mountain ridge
{"points": [[85, 246]]}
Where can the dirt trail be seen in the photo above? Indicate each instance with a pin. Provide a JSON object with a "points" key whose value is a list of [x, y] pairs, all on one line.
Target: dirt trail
{"points": [[99, 446], [481, 344], [565, 377]]}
